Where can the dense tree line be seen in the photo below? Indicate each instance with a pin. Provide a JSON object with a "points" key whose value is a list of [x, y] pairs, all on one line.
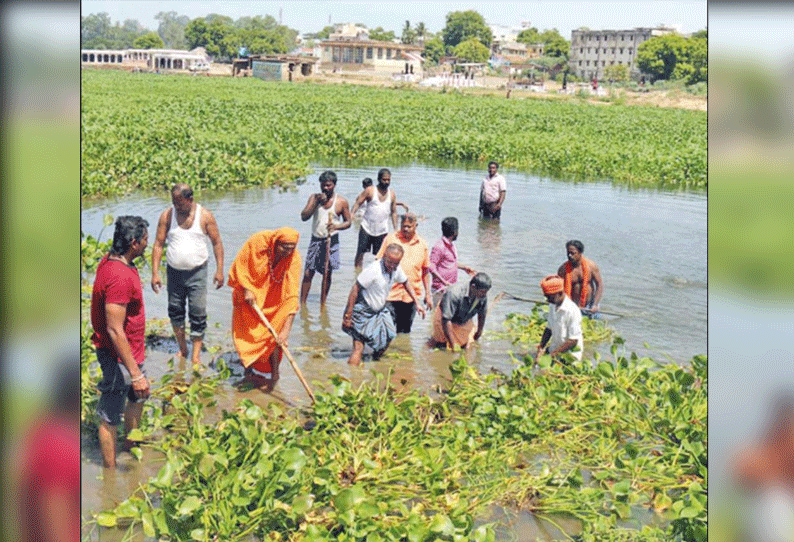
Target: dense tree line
{"points": [[222, 37], [465, 35]]}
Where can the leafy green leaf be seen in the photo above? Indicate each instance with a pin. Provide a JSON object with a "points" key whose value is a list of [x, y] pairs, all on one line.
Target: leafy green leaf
{"points": [[188, 506], [106, 519]]}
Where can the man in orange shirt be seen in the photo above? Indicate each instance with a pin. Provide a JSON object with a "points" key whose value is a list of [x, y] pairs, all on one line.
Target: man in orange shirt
{"points": [[416, 264]]}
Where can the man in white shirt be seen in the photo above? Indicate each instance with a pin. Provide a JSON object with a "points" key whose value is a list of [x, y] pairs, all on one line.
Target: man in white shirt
{"points": [[563, 331], [368, 319], [492, 192]]}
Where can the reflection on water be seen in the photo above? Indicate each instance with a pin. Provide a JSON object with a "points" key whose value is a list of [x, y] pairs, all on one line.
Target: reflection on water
{"points": [[650, 247], [489, 235]]}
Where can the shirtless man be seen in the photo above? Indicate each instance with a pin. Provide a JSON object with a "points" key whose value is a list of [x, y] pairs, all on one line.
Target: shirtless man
{"points": [[581, 273], [379, 204], [329, 213]]}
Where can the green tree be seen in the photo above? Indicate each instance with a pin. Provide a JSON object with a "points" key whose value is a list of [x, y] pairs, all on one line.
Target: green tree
{"points": [[172, 29], [699, 58], [151, 40], [693, 68], [421, 33], [434, 50], [409, 34], [472, 50], [94, 31], [673, 56], [381, 35], [262, 35], [197, 33], [701, 34], [323, 34], [617, 72], [132, 27], [555, 44], [659, 55], [217, 35], [463, 25], [530, 36]]}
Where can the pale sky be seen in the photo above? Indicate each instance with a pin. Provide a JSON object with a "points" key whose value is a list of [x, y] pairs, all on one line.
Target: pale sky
{"points": [[311, 16], [750, 29]]}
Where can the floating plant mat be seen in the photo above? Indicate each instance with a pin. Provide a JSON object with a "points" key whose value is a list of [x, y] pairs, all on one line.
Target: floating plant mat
{"points": [[527, 329], [591, 440]]}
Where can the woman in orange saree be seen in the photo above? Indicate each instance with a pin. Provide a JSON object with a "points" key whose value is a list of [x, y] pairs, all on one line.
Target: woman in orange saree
{"points": [[266, 271]]}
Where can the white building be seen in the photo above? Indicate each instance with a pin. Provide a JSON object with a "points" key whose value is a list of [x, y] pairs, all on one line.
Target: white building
{"points": [[153, 59], [593, 50], [349, 48]]}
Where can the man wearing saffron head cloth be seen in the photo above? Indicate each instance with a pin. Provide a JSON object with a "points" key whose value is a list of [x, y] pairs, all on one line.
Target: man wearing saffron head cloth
{"points": [[582, 277], [563, 331], [266, 272]]}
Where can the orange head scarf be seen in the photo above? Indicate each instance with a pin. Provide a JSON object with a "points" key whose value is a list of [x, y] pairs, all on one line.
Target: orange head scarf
{"points": [[255, 268], [551, 285], [275, 286]]}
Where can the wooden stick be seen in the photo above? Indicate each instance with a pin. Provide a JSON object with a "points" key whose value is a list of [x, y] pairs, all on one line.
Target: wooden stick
{"points": [[286, 351], [323, 287], [588, 311]]}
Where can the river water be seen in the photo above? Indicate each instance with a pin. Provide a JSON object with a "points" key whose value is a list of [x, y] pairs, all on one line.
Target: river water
{"points": [[650, 246]]}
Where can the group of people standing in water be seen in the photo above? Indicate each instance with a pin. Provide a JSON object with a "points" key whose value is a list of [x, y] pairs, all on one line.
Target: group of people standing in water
{"points": [[270, 284]]}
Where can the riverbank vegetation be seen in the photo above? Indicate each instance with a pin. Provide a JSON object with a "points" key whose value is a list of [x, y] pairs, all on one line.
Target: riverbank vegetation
{"points": [[607, 442], [603, 443], [148, 131]]}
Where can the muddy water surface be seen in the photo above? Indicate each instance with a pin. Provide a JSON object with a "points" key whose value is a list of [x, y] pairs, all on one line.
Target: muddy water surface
{"points": [[650, 247]]}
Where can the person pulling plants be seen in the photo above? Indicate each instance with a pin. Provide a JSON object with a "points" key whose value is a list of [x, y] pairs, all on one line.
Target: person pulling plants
{"points": [[453, 318], [368, 318], [266, 274], [563, 332], [444, 260]]}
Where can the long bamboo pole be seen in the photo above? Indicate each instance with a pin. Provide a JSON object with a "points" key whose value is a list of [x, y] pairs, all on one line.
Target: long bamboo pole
{"points": [[286, 351]]}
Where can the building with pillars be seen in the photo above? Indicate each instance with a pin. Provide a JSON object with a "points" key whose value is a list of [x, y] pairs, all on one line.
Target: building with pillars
{"points": [[151, 59], [594, 50]]}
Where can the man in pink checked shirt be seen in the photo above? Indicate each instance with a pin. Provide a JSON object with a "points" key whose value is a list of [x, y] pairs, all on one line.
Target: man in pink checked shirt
{"points": [[444, 260]]}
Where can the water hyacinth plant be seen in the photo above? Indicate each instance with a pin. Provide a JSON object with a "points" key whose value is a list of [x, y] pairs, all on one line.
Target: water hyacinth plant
{"points": [[596, 441], [220, 133]]}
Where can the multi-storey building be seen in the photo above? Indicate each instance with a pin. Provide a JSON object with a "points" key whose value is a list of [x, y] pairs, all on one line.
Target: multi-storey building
{"points": [[594, 50]]}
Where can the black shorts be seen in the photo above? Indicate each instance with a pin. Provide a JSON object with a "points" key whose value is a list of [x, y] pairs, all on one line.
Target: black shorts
{"points": [[115, 387], [403, 315], [486, 213], [365, 241]]}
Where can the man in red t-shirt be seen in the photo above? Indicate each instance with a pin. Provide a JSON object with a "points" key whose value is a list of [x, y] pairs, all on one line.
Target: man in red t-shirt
{"points": [[119, 323]]}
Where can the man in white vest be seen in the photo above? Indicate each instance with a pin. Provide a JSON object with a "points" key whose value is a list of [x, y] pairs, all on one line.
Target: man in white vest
{"points": [[379, 204], [184, 228]]}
